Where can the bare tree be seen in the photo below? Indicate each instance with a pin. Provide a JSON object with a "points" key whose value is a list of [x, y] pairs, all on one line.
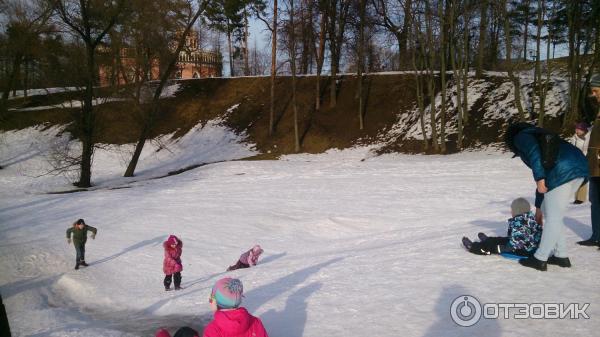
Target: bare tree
{"points": [[361, 61], [394, 17], [149, 122], [338, 14], [90, 21], [320, 49], [273, 29], [483, 22], [443, 47], [509, 63], [26, 22], [292, 60]]}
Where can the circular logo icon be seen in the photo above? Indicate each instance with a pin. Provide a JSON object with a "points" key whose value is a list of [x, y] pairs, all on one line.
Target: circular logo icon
{"points": [[465, 310]]}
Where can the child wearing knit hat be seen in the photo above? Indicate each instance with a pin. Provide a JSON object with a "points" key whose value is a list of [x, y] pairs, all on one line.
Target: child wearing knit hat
{"points": [[229, 318], [523, 238]]}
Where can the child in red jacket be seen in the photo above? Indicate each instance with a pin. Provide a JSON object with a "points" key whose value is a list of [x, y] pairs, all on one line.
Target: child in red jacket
{"points": [[230, 319], [172, 266]]}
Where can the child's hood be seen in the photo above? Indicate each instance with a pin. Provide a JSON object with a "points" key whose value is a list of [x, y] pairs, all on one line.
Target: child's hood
{"points": [[233, 322], [172, 240], [257, 250], [528, 216]]}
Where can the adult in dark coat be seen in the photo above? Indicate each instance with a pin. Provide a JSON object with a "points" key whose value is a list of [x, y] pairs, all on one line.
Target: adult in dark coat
{"points": [[556, 187], [593, 156]]}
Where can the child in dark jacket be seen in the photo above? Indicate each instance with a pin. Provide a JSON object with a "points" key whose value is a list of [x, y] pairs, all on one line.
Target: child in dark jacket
{"points": [[230, 319], [79, 231], [249, 258], [181, 332], [524, 234], [172, 265]]}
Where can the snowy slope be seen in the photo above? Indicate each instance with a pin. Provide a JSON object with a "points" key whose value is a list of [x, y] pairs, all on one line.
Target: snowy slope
{"points": [[494, 95], [352, 247]]}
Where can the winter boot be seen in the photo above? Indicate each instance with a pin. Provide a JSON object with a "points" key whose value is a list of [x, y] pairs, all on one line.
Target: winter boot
{"points": [[588, 242], [167, 288], [560, 261], [465, 241], [534, 263], [83, 263], [76, 266], [482, 237]]}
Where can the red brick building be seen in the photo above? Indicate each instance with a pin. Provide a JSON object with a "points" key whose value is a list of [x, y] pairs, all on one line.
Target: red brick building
{"points": [[193, 63]]}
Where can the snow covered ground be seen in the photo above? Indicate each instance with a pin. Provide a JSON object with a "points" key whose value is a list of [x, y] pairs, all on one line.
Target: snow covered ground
{"points": [[353, 247]]}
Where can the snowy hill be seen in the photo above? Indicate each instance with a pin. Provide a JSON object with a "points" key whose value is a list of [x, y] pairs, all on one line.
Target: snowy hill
{"points": [[355, 244], [392, 120]]}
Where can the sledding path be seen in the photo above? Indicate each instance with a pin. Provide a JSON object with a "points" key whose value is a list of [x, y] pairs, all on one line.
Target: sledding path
{"points": [[361, 248]]}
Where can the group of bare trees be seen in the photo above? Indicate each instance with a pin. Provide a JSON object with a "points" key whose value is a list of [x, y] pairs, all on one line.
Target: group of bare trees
{"points": [[435, 38], [439, 41]]}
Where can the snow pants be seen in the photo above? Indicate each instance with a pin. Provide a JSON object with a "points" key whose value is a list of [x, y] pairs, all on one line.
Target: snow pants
{"points": [[79, 252], [553, 208], [176, 277], [238, 265]]}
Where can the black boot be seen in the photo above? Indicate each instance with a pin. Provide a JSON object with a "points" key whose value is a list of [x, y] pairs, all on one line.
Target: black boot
{"points": [[482, 236], [465, 241], [560, 261], [177, 279], [167, 282], [534, 263], [76, 266], [588, 242], [83, 263]]}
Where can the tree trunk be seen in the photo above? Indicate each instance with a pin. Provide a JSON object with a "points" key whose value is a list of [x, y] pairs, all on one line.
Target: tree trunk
{"points": [[419, 83], [320, 57], [482, 37], [443, 76], [273, 67], [514, 79], [573, 10], [25, 77], [465, 73], [403, 36], [526, 30], [431, 84], [457, 79], [246, 63], [538, 70], [293, 66], [230, 52], [10, 83], [332, 49], [359, 67], [87, 120]]}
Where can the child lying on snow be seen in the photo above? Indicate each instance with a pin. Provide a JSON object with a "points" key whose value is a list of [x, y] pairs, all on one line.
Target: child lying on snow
{"points": [[524, 234], [249, 258]]}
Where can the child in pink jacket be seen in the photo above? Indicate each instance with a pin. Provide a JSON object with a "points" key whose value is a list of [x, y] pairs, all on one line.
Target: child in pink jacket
{"points": [[172, 266], [230, 319], [249, 258]]}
